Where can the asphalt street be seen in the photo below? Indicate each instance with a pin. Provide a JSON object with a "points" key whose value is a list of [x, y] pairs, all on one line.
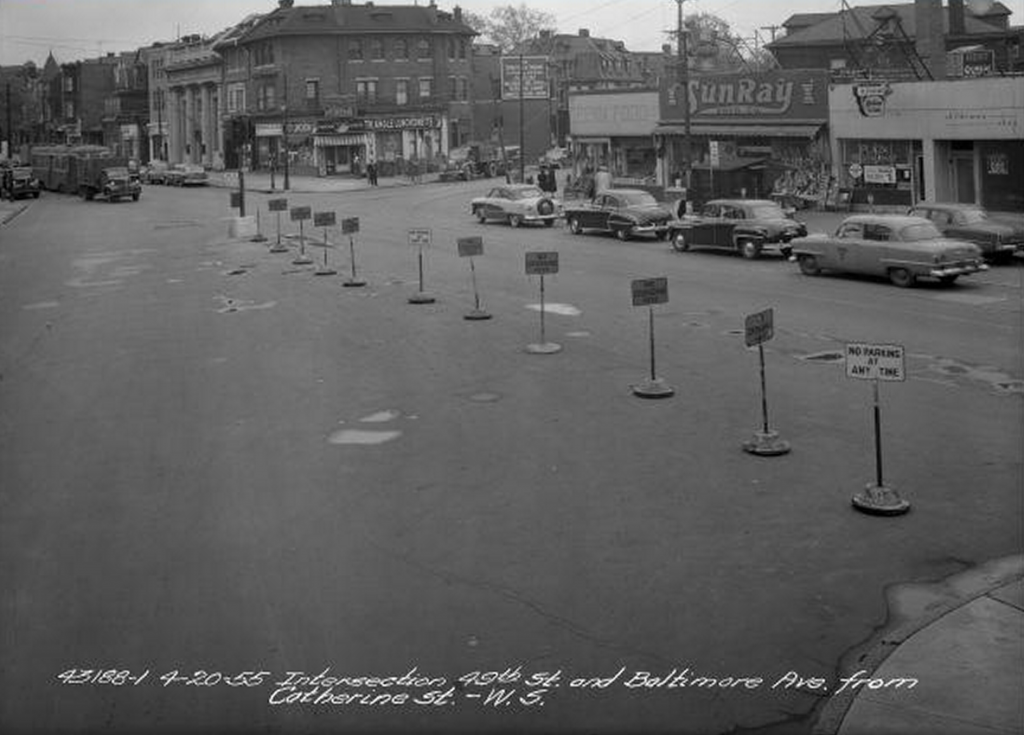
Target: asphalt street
{"points": [[215, 462]]}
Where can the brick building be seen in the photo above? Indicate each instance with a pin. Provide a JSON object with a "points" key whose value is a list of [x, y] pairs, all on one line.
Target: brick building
{"points": [[342, 84], [126, 110], [80, 92]]}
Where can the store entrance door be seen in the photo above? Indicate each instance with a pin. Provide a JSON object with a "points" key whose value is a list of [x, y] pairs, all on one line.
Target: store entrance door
{"points": [[963, 178]]}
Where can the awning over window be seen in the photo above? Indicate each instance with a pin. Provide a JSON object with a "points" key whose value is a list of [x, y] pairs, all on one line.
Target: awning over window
{"points": [[767, 130], [326, 141]]}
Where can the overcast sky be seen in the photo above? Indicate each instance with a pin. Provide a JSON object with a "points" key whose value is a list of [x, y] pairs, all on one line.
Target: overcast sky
{"points": [[76, 29]]}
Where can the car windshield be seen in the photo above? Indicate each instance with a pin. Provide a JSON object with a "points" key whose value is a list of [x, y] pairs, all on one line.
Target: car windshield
{"points": [[972, 216], [23, 173], [922, 231], [638, 198], [117, 173], [767, 211], [527, 193]]}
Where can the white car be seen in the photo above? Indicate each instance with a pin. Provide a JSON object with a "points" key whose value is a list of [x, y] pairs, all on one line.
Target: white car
{"points": [[517, 204]]}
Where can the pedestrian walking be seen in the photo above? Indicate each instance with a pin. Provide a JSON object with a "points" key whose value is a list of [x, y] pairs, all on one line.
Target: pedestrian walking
{"points": [[371, 172]]}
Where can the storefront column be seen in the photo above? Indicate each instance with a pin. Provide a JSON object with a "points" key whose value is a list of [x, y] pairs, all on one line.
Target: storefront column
{"points": [[206, 156]]}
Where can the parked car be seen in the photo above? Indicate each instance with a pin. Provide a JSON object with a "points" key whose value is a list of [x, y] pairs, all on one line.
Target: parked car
{"points": [[516, 204], [972, 223], [155, 172], [17, 182], [900, 247], [744, 225], [624, 212], [186, 174]]}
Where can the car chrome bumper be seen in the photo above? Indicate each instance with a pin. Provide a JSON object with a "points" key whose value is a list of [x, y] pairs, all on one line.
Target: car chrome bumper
{"points": [[957, 270]]}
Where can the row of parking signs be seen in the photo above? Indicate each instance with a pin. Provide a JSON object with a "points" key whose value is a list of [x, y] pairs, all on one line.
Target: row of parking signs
{"points": [[864, 361]]}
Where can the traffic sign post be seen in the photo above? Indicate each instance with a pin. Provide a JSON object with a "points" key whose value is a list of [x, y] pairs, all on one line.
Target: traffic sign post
{"points": [[470, 247], [420, 237], [647, 292], [259, 236], [325, 220], [300, 215], [541, 264], [877, 363], [277, 206], [759, 328], [350, 226]]}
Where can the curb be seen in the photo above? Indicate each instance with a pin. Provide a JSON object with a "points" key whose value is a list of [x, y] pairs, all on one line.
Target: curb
{"points": [[834, 712], [14, 213]]}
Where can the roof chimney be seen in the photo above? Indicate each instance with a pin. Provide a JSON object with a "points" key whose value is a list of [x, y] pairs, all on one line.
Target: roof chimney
{"points": [[285, 3], [956, 17], [930, 37], [584, 33]]}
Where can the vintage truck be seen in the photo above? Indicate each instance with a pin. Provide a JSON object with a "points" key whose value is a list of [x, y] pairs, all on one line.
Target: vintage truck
{"points": [[108, 177]]}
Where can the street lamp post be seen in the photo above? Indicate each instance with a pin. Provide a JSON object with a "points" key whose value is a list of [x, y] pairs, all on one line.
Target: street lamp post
{"points": [[522, 145], [284, 133], [684, 76]]}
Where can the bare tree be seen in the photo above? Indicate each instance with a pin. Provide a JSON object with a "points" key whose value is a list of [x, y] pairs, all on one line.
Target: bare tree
{"points": [[509, 25]]}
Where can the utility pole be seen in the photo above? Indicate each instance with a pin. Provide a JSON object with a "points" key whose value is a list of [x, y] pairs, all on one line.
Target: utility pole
{"points": [[522, 148], [684, 77], [284, 132]]}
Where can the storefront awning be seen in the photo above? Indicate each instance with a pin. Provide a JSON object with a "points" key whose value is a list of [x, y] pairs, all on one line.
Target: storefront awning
{"points": [[326, 141], [742, 131]]}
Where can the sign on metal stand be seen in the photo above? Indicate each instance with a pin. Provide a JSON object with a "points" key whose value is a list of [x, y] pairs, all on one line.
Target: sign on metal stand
{"points": [[350, 226], [259, 236], [470, 247], [759, 328], [648, 292], [325, 220], [300, 215], [877, 363], [541, 264], [420, 238], [277, 206]]}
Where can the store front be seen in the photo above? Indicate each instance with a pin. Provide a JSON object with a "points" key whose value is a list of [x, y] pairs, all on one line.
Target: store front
{"points": [[614, 130], [950, 141], [754, 135]]}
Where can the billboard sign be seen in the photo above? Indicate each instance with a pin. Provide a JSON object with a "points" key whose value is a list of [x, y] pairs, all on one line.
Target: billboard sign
{"points": [[533, 70]]}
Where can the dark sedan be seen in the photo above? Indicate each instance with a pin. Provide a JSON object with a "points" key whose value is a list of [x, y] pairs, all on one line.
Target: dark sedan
{"points": [[625, 213], [744, 225], [997, 240]]}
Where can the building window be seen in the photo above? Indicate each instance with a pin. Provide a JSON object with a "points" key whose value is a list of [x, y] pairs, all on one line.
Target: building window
{"points": [[451, 49], [69, 109], [423, 49], [263, 54], [402, 91], [236, 97], [69, 84], [451, 88], [355, 50], [366, 91], [401, 49], [312, 91], [462, 48], [462, 89], [265, 97], [377, 49], [426, 88], [835, 64]]}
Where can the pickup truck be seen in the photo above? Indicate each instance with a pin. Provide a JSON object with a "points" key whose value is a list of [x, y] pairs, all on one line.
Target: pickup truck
{"points": [[108, 178]]}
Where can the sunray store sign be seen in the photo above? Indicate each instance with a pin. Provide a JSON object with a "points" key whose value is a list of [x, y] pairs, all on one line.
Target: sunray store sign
{"points": [[775, 95]]}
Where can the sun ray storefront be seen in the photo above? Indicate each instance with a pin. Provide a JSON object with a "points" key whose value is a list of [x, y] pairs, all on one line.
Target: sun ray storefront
{"points": [[758, 135]]}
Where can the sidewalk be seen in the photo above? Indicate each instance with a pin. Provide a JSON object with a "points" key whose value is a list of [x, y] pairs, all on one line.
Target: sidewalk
{"points": [[259, 181], [963, 640]]}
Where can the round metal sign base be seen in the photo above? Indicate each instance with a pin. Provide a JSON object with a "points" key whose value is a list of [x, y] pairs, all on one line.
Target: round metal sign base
{"points": [[656, 388], [421, 298], [477, 315], [258, 238], [325, 272], [544, 348], [303, 260], [766, 444], [880, 500], [279, 248], [352, 283]]}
